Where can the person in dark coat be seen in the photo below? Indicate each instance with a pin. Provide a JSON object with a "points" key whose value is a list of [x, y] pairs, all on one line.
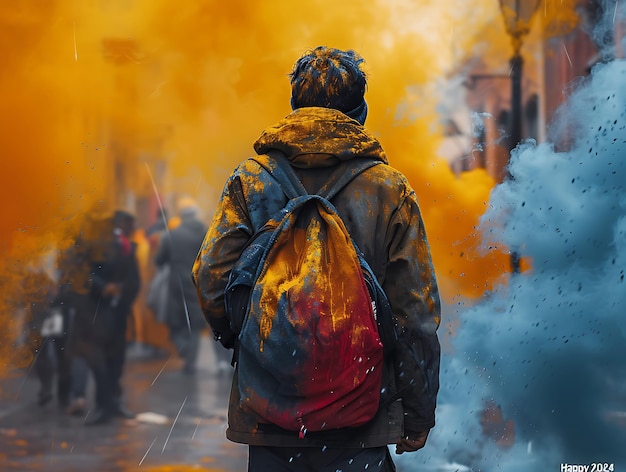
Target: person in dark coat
{"points": [[124, 227], [382, 215], [102, 269], [178, 248]]}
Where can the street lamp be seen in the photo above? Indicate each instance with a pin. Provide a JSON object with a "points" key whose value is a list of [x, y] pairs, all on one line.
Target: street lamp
{"points": [[517, 17]]}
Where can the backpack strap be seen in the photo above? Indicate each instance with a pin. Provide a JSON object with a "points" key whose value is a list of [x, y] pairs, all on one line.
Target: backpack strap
{"points": [[282, 171], [279, 168]]}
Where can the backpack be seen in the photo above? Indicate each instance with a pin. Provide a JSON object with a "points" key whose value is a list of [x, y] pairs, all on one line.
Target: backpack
{"points": [[313, 323]]}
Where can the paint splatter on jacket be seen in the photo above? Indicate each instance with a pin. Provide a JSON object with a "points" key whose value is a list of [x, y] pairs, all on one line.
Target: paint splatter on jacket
{"points": [[381, 212]]}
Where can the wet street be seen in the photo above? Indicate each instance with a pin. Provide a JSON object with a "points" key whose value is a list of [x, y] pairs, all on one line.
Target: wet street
{"points": [[180, 423]]}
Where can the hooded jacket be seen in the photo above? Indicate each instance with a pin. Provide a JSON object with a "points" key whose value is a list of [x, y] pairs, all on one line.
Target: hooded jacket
{"points": [[381, 212]]}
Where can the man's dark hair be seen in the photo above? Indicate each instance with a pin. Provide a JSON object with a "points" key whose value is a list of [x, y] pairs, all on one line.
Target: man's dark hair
{"points": [[330, 78]]}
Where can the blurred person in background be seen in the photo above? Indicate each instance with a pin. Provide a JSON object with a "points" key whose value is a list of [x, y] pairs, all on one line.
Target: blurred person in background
{"points": [[178, 249], [123, 229], [103, 270]]}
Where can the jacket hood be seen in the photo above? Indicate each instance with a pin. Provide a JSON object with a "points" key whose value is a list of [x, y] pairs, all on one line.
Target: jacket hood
{"points": [[319, 137]]}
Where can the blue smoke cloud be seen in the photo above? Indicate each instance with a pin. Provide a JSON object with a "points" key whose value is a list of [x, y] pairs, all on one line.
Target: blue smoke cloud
{"points": [[548, 348]]}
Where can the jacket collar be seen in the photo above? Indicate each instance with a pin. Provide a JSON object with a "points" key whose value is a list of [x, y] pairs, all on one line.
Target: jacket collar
{"points": [[319, 137]]}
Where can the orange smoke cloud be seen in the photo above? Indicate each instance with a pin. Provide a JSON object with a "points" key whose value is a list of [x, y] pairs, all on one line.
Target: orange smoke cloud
{"points": [[103, 96]]}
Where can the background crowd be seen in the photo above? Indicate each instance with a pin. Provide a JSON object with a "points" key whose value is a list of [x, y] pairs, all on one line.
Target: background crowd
{"points": [[83, 313]]}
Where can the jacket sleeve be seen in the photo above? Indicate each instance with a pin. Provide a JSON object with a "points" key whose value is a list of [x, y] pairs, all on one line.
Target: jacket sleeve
{"points": [[411, 287], [228, 233]]}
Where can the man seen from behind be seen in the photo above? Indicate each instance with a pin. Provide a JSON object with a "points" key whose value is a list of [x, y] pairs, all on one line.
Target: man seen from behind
{"points": [[324, 132]]}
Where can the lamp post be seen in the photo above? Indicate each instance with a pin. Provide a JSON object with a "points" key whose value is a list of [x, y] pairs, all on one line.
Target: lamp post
{"points": [[517, 17]]}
